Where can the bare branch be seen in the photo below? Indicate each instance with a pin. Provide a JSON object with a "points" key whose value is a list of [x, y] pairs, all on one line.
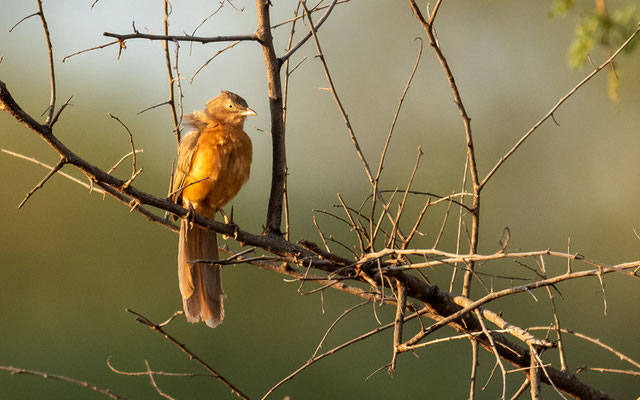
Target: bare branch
{"points": [[332, 89], [145, 373], [594, 341], [181, 38], [396, 222], [313, 28], [102, 46], [534, 376], [46, 375], [610, 370], [398, 323], [22, 20], [155, 327], [507, 292], [279, 161], [52, 75], [153, 382], [71, 178], [466, 121], [133, 148], [232, 45], [121, 160], [557, 105], [495, 351], [474, 368], [397, 113], [344, 314], [167, 58], [53, 170]]}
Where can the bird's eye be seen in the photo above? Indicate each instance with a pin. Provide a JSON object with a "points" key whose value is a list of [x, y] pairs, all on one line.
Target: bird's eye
{"points": [[230, 105]]}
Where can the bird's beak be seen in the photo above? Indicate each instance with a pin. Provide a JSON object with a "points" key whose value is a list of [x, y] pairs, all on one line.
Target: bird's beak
{"points": [[248, 111]]}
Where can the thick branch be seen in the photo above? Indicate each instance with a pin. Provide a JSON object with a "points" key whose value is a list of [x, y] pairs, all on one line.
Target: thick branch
{"points": [[279, 166]]}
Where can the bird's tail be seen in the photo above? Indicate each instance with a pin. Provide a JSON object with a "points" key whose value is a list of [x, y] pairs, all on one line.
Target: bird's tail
{"points": [[200, 284]]}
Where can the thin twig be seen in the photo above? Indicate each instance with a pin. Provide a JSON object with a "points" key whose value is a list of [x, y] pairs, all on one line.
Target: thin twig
{"points": [[474, 368], [594, 341], [613, 371], [495, 351], [46, 375], [460, 222], [324, 242], [133, 148], [398, 323], [153, 382], [232, 45], [155, 327], [556, 106], [344, 314], [383, 153], [396, 222], [52, 75], [466, 121], [312, 28], [441, 231], [102, 46], [521, 390], [145, 373], [354, 226], [556, 320], [167, 57], [414, 230], [285, 100], [332, 89], [333, 351], [22, 20], [181, 38], [498, 294], [207, 18], [35, 161], [121, 160], [40, 184]]}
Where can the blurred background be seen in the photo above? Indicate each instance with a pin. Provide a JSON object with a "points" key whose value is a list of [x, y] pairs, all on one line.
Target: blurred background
{"points": [[71, 261]]}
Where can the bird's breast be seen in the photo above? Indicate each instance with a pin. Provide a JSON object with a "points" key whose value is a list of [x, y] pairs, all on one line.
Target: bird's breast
{"points": [[222, 160]]}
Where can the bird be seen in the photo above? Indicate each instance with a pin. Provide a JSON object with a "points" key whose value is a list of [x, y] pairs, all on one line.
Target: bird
{"points": [[214, 162]]}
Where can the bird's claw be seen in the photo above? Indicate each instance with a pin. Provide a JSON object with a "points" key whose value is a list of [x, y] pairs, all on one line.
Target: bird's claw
{"points": [[191, 215], [229, 221]]}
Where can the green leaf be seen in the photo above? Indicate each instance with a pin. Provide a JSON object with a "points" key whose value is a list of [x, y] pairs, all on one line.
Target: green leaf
{"points": [[624, 23], [584, 41], [559, 8]]}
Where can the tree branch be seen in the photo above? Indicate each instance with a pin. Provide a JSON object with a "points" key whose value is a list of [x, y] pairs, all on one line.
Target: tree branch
{"points": [[279, 166], [553, 109], [182, 38], [46, 375], [466, 121], [160, 329]]}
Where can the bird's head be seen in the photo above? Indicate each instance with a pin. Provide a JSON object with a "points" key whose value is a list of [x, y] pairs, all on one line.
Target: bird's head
{"points": [[229, 108]]}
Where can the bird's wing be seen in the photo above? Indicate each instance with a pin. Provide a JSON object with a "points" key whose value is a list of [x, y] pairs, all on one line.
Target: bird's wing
{"points": [[186, 149]]}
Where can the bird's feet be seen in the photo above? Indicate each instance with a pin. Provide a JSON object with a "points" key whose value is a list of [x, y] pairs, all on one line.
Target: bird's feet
{"points": [[191, 215], [229, 221]]}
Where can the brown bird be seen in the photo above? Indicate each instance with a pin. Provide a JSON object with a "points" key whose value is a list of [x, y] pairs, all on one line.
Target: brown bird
{"points": [[214, 161]]}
